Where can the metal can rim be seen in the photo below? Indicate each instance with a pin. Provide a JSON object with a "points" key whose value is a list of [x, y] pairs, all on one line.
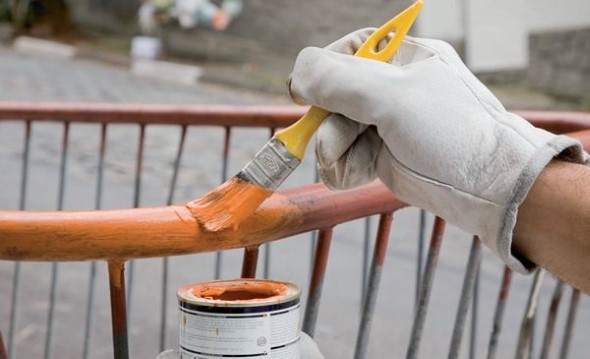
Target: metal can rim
{"points": [[292, 293]]}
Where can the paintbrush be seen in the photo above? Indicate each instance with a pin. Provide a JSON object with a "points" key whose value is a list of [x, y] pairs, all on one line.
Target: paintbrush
{"points": [[225, 206]]}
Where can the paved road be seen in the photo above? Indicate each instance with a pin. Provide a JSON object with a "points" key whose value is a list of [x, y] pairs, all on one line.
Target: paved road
{"points": [[24, 77], [29, 78]]}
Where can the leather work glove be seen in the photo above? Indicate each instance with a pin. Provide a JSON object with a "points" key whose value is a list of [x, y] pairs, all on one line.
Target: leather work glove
{"points": [[434, 134]]}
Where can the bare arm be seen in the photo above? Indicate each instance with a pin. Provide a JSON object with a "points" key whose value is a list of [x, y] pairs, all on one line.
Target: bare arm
{"points": [[553, 223]]}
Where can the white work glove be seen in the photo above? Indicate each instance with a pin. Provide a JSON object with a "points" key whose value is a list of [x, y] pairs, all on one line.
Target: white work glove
{"points": [[434, 134]]}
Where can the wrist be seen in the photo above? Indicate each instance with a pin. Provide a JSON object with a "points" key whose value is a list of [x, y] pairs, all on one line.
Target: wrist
{"points": [[553, 223]]}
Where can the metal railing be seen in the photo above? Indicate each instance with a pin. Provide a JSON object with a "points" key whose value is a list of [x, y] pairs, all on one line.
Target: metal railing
{"points": [[64, 236]]}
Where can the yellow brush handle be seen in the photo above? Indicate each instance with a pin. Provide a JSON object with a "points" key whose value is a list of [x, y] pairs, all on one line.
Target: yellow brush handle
{"points": [[297, 136]]}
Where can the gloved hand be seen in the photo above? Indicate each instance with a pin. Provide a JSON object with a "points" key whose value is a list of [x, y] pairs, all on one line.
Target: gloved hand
{"points": [[434, 134]]}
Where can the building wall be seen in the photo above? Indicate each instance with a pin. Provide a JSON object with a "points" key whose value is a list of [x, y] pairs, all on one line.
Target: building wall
{"points": [[495, 33]]}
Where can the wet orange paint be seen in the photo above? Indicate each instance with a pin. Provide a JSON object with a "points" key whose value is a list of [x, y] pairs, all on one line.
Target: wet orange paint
{"points": [[226, 206], [237, 290], [134, 233], [176, 230]]}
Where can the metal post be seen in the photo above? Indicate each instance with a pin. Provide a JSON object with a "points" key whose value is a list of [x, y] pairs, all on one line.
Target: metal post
{"points": [[381, 241], [466, 296], [499, 312], [169, 201], [420, 255], [426, 287], [317, 281], [16, 275], [136, 201], [551, 318], [118, 309], [474, 315], [54, 266], [92, 277], [569, 325], [3, 353], [525, 340], [366, 256], [224, 166], [250, 262]]}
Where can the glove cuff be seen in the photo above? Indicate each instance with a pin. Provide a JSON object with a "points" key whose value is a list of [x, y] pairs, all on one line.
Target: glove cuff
{"points": [[499, 239]]}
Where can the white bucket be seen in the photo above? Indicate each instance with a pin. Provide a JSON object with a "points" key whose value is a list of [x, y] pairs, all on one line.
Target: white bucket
{"points": [[146, 47]]}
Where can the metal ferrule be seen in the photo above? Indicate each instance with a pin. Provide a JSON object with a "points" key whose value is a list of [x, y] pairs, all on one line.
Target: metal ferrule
{"points": [[270, 167]]}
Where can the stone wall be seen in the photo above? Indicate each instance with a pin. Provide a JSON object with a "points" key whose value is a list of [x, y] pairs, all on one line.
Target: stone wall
{"points": [[560, 63]]}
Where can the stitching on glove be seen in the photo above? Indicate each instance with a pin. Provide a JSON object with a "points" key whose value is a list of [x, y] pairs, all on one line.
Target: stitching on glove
{"points": [[424, 178]]}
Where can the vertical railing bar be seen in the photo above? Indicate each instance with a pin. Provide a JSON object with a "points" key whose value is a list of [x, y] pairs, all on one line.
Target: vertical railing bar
{"points": [[267, 246], [314, 234], [118, 309], [317, 281], [50, 311], [551, 318], [165, 263], [499, 312], [54, 265], [16, 275], [92, 277], [250, 262], [224, 167], [569, 325], [136, 201], [465, 298], [525, 346], [379, 254], [3, 353], [426, 287], [420, 255], [474, 314], [366, 259]]}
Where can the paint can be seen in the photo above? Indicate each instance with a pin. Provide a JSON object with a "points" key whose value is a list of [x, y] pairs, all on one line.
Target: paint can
{"points": [[239, 318]]}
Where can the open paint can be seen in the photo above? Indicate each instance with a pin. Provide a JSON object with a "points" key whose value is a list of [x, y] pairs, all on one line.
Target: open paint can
{"points": [[239, 318]]}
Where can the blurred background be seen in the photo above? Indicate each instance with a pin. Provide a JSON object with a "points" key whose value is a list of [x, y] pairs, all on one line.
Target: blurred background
{"points": [[534, 54], [537, 51]]}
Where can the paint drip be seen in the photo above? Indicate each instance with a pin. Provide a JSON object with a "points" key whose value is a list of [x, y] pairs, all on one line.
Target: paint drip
{"points": [[239, 318]]}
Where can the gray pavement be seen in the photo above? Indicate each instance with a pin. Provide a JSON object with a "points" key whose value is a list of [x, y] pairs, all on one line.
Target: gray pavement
{"points": [[29, 78]]}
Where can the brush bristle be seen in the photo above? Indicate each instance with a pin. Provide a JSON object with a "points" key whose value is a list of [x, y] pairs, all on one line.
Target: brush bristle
{"points": [[227, 205]]}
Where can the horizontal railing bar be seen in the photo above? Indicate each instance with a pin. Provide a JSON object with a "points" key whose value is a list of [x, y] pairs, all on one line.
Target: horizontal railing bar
{"points": [[173, 230], [222, 115], [211, 115]]}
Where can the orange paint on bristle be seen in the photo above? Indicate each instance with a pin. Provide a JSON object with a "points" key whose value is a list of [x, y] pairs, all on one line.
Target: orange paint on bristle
{"points": [[227, 205]]}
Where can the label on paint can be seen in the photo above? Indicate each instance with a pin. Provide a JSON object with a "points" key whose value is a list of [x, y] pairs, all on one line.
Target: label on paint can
{"points": [[239, 318]]}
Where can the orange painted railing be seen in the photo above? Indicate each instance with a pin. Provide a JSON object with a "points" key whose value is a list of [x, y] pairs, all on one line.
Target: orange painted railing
{"points": [[121, 235]]}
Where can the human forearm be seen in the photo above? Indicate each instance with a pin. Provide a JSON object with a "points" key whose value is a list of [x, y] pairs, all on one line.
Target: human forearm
{"points": [[553, 223]]}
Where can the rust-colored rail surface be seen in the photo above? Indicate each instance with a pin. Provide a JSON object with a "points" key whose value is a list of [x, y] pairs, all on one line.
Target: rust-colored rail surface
{"points": [[223, 115], [172, 230]]}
